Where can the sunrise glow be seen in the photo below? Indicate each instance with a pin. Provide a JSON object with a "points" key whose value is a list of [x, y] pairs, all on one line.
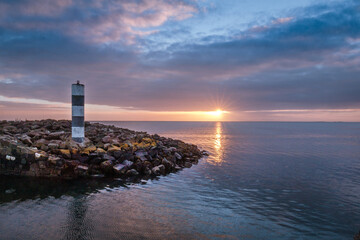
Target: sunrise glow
{"points": [[156, 60], [217, 113], [153, 119]]}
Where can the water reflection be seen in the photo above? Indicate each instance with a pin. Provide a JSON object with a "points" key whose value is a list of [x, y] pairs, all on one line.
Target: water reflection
{"points": [[261, 181], [16, 189], [78, 226], [217, 158]]}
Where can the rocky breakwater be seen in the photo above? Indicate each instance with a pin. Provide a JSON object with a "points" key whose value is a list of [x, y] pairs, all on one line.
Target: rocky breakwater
{"points": [[45, 149]]}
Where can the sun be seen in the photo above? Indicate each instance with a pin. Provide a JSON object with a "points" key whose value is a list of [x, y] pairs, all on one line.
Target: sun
{"points": [[217, 113]]}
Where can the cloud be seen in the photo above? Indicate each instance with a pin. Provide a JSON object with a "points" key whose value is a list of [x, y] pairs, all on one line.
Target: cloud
{"points": [[309, 39], [282, 20], [307, 61], [27, 8], [97, 21]]}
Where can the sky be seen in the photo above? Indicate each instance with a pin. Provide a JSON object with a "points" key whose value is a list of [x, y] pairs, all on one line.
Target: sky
{"points": [[181, 60]]}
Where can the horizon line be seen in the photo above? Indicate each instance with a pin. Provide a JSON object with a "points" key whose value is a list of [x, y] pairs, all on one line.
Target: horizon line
{"points": [[183, 121]]}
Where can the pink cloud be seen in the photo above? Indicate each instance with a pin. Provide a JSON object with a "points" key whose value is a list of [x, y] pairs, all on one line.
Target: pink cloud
{"points": [[114, 21], [282, 20], [135, 16]]}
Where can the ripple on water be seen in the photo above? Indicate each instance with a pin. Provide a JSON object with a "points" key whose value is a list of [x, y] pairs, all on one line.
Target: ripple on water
{"points": [[261, 181]]}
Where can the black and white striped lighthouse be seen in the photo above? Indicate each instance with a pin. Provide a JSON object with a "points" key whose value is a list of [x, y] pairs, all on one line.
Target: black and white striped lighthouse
{"points": [[78, 124]]}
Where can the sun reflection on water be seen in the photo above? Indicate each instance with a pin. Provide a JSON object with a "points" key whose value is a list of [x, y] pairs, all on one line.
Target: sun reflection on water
{"points": [[218, 145]]}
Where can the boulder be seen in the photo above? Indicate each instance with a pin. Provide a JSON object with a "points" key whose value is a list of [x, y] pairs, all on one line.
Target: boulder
{"points": [[115, 142], [62, 145], [127, 144], [147, 171], [119, 168], [106, 166], [42, 164], [10, 158], [74, 151], [170, 149], [156, 162], [8, 141], [114, 151], [44, 148], [132, 172], [106, 146], [100, 151], [168, 165], [55, 135], [138, 165], [26, 140], [127, 163], [27, 153], [205, 153], [99, 144], [106, 139], [147, 164], [33, 171], [55, 160], [10, 129], [81, 170], [108, 157], [158, 170], [65, 153], [39, 143], [118, 154], [141, 154], [142, 145], [34, 134], [187, 164], [89, 150], [70, 144], [53, 146], [113, 148], [41, 156], [124, 146], [178, 156]]}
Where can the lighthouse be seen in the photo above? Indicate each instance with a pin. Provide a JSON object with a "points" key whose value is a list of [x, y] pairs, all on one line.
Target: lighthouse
{"points": [[78, 122]]}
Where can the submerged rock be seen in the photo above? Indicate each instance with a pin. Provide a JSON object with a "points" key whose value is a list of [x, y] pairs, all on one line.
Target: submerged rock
{"points": [[45, 149]]}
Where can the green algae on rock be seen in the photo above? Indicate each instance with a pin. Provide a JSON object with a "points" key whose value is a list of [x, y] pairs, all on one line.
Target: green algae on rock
{"points": [[45, 149]]}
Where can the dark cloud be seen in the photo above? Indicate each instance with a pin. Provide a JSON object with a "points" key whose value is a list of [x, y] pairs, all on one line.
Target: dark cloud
{"points": [[308, 60]]}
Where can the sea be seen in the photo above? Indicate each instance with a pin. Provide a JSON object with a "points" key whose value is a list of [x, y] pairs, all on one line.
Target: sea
{"points": [[261, 180]]}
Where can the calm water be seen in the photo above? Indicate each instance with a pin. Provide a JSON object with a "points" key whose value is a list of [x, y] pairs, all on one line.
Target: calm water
{"points": [[261, 181]]}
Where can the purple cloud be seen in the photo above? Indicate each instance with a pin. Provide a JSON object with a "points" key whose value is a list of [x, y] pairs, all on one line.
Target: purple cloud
{"points": [[306, 60]]}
